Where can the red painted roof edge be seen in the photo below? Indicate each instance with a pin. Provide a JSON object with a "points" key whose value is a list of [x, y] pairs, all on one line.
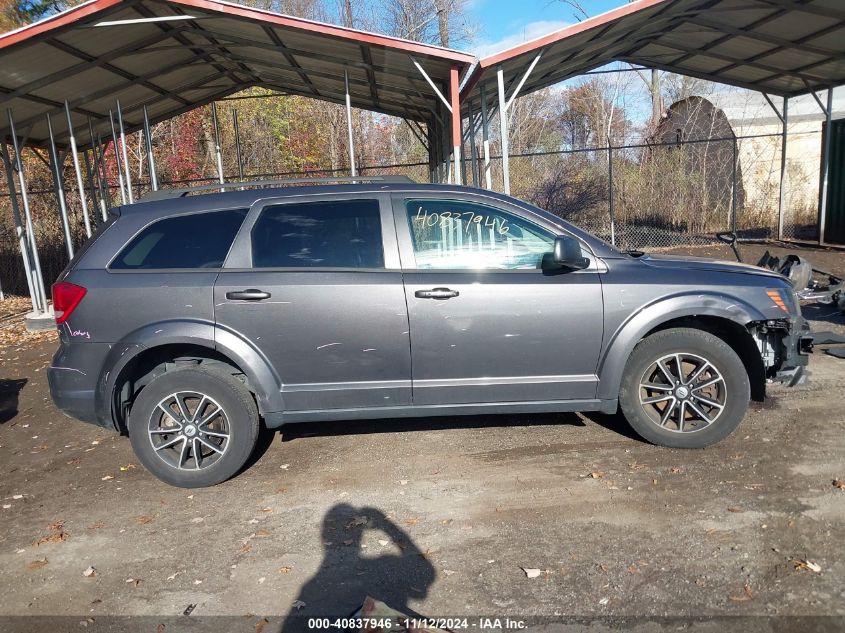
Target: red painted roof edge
{"points": [[64, 18], [322, 28], [86, 10], [569, 31]]}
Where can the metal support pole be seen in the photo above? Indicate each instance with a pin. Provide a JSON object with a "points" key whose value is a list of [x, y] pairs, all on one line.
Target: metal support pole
{"points": [[733, 187], [217, 150], [352, 171], [485, 135], [38, 281], [79, 184], [611, 207], [782, 186], [473, 149], [503, 122], [23, 243], [117, 160], [98, 162], [237, 130], [92, 186], [826, 165], [457, 136], [126, 171], [148, 139], [60, 189]]}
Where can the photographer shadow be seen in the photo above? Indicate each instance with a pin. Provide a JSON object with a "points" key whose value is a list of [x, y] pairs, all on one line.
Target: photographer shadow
{"points": [[346, 576]]}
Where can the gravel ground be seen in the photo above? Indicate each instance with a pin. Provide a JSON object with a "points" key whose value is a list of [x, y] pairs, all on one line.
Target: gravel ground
{"points": [[439, 517]]}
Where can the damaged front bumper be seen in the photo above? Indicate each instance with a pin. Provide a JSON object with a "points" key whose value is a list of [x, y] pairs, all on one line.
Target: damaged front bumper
{"points": [[785, 346]]}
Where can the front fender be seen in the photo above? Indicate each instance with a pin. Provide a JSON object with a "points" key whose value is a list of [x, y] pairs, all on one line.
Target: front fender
{"points": [[261, 377], [621, 343]]}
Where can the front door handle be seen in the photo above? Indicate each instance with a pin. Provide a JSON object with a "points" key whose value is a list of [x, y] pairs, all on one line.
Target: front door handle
{"points": [[436, 293], [248, 295]]}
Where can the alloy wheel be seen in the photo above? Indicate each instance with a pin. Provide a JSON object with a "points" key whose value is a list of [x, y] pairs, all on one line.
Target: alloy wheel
{"points": [[683, 392], [189, 430]]}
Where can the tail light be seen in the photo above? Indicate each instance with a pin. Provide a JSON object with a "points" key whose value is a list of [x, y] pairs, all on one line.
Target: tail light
{"points": [[66, 296]]}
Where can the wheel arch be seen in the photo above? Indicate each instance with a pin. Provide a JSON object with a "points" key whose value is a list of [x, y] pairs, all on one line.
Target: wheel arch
{"points": [[724, 316], [132, 364]]}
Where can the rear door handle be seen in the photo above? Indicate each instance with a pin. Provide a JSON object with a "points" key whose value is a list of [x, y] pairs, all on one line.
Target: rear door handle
{"points": [[248, 295], [436, 293]]}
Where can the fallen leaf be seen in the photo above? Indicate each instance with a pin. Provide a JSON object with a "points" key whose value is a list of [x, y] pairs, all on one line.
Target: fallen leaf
{"points": [[262, 533], [838, 483], [284, 569], [259, 626], [107, 478], [284, 466], [675, 471], [56, 526], [246, 547], [412, 521], [38, 563], [261, 580], [56, 537], [127, 467], [747, 594], [604, 601], [197, 519], [596, 474], [806, 565], [198, 582], [89, 572], [267, 510], [531, 572], [173, 576], [97, 525], [298, 604], [144, 519], [160, 628], [734, 509]]}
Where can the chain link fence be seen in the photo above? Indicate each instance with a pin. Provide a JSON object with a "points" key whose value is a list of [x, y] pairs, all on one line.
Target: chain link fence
{"points": [[640, 196]]}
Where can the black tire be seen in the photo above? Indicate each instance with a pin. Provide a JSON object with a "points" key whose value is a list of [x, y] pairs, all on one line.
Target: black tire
{"points": [[691, 346], [223, 446]]}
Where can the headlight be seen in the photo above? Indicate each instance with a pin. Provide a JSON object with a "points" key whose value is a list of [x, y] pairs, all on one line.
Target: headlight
{"points": [[783, 298]]}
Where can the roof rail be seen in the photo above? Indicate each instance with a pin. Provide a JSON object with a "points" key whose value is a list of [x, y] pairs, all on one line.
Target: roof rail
{"points": [[181, 192]]}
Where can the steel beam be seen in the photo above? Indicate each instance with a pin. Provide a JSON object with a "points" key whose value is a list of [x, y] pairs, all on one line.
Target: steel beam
{"points": [[60, 189], [23, 242], [127, 172], [115, 149], [784, 118], [38, 281], [237, 130], [148, 140], [217, 151], [350, 142], [485, 136], [79, 184], [826, 165], [455, 109]]}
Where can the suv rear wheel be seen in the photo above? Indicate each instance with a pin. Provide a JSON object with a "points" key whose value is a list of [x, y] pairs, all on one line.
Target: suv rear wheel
{"points": [[684, 388], [193, 427]]}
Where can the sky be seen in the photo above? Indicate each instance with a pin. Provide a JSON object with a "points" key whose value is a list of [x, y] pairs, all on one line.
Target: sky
{"points": [[506, 23]]}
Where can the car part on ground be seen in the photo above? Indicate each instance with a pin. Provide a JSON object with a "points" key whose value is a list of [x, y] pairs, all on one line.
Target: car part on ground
{"points": [[811, 284]]}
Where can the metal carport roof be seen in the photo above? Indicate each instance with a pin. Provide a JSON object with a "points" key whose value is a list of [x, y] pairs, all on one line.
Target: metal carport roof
{"points": [[780, 47], [174, 55]]}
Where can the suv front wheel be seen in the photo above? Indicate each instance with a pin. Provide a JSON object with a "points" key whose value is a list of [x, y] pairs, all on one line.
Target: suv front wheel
{"points": [[684, 388], [193, 427]]}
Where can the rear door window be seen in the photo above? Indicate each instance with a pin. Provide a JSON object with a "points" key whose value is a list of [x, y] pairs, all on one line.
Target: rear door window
{"points": [[327, 234], [199, 240]]}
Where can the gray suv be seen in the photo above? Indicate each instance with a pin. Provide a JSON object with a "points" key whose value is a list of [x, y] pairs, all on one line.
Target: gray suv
{"points": [[189, 321]]}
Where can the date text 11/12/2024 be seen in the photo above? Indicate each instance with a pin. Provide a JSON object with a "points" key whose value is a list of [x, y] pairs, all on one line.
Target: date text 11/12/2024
{"points": [[418, 624]]}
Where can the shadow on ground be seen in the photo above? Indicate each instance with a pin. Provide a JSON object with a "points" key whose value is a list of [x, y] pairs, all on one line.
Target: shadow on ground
{"points": [[10, 389], [347, 575]]}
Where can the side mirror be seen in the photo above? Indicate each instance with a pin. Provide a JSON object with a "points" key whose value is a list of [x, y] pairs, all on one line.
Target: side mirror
{"points": [[568, 253]]}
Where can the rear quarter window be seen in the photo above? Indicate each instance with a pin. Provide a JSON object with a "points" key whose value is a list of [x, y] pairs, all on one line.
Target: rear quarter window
{"points": [[198, 240]]}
